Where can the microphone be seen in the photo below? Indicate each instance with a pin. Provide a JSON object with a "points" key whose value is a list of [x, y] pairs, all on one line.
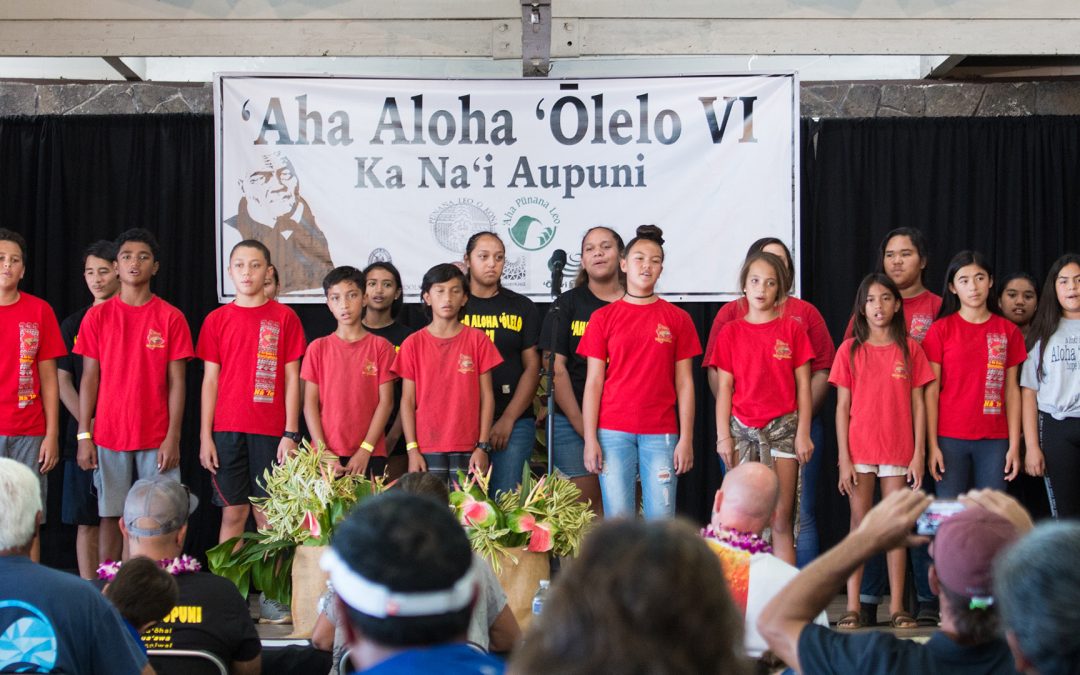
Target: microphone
{"points": [[556, 264]]}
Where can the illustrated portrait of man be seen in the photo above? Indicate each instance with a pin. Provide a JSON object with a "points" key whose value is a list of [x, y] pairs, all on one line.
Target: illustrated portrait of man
{"points": [[272, 211]]}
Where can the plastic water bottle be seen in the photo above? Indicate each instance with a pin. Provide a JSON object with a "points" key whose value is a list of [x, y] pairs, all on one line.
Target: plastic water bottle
{"points": [[541, 595]]}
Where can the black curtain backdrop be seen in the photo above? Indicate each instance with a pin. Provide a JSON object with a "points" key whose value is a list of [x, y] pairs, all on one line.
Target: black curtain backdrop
{"points": [[1004, 186]]}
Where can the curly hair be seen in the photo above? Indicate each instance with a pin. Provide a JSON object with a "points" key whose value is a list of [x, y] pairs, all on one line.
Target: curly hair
{"points": [[642, 597]]}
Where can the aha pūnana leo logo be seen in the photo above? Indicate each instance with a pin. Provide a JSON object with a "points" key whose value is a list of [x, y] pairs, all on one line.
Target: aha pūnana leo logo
{"points": [[531, 222]]}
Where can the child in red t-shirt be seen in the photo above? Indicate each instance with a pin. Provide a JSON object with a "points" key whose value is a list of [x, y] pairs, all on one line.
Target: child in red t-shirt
{"points": [[879, 376], [350, 387], [251, 351], [29, 398], [763, 401], [973, 407], [135, 348], [639, 352], [447, 401]]}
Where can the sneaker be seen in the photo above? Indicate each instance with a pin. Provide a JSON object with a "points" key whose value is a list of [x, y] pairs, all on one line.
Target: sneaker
{"points": [[272, 611]]}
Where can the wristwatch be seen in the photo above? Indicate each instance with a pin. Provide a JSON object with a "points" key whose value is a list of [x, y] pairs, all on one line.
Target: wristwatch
{"points": [[485, 446], [293, 436]]}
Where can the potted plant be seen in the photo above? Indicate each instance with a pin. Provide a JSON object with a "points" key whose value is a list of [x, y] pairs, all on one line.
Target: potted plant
{"points": [[306, 502]]}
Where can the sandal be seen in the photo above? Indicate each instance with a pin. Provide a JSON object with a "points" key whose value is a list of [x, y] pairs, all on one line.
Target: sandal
{"points": [[903, 621], [928, 616], [849, 621]]}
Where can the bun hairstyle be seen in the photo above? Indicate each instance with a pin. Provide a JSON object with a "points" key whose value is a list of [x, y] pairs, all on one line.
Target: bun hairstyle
{"points": [[646, 233]]}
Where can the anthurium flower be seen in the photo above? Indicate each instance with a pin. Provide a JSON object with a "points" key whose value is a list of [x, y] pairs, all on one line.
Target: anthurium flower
{"points": [[311, 524], [541, 540], [476, 513], [521, 521]]}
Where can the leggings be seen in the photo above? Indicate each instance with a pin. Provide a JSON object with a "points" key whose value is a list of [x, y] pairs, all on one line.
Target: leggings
{"points": [[1060, 441], [445, 465]]}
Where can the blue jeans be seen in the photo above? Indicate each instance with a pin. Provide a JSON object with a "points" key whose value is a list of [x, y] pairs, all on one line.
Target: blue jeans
{"points": [[971, 464], [626, 456], [568, 449], [807, 545], [507, 464]]}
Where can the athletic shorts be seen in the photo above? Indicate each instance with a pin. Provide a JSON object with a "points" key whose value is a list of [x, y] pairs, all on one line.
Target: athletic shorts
{"points": [[79, 505], [116, 472], [25, 450], [242, 460]]}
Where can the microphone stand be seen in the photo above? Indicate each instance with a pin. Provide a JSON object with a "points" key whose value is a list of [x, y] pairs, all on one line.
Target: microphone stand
{"points": [[549, 371]]}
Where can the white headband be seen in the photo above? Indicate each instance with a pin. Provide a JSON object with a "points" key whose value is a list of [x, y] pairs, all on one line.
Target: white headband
{"points": [[373, 599]]}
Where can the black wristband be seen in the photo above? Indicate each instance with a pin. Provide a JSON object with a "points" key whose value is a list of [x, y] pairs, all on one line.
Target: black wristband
{"points": [[293, 436], [485, 446]]}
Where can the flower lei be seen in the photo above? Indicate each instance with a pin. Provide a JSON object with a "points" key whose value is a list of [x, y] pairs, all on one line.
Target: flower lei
{"points": [[184, 564], [744, 541]]}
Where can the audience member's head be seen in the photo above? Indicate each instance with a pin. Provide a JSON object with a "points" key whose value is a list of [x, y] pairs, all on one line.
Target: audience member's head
{"points": [[155, 518], [20, 507], [401, 567], [424, 484], [642, 597], [142, 592], [746, 499], [964, 551], [1037, 590]]}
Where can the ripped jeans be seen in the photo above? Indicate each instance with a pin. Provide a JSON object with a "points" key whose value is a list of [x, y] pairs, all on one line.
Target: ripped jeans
{"points": [[626, 456]]}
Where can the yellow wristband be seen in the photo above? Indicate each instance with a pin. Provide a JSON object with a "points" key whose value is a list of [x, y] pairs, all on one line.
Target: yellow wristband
{"points": [[367, 446], [84, 436], [412, 446]]}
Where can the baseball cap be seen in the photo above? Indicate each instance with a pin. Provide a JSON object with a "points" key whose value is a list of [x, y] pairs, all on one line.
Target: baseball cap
{"points": [[157, 505], [965, 548]]}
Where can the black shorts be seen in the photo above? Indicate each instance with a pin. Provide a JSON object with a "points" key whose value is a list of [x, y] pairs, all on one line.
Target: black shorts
{"points": [[79, 504], [242, 459]]}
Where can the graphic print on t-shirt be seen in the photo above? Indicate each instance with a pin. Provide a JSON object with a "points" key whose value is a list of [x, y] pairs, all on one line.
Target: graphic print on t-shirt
{"points": [[489, 322], [577, 328], [28, 349], [996, 348], [781, 350], [28, 642], [920, 323], [154, 339], [370, 369], [160, 635], [465, 363], [663, 333], [267, 363], [899, 370]]}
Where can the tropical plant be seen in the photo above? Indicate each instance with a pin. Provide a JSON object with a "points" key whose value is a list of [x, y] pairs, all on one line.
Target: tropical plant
{"points": [[305, 502], [542, 515]]}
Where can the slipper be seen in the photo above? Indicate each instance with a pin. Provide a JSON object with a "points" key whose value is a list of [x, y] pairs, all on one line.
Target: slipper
{"points": [[849, 621], [928, 616], [903, 620]]}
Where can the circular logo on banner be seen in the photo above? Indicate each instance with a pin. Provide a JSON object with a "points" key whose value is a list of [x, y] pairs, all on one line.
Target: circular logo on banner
{"points": [[531, 222], [379, 255], [452, 223]]}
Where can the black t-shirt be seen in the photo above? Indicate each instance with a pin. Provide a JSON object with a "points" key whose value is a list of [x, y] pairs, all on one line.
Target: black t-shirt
{"points": [[72, 363], [396, 334], [513, 324], [825, 651], [211, 615], [574, 308]]}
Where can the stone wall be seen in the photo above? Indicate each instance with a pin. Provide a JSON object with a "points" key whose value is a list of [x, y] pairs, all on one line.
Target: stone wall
{"points": [[819, 99]]}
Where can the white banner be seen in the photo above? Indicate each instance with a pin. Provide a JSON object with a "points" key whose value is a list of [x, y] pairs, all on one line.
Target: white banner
{"points": [[346, 171]]}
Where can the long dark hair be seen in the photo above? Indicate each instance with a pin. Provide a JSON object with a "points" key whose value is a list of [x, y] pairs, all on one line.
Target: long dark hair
{"points": [[759, 247], [860, 326], [395, 306], [582, 277], [918, 240], [1048, 312], [950, 301]]}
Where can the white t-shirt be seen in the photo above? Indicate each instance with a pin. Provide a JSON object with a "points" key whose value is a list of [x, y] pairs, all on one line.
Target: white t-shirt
{"points": [[1059, 390], [753, 580]]}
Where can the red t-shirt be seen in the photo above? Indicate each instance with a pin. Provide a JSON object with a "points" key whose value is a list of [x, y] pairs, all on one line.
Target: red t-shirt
{"points": [[919, 311], [134, 346], [762, 358], [252, 345], [447, 376], [641, 345], [973, 359], [29, 335], [880, 430], [796, 308], [348, 375]]}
